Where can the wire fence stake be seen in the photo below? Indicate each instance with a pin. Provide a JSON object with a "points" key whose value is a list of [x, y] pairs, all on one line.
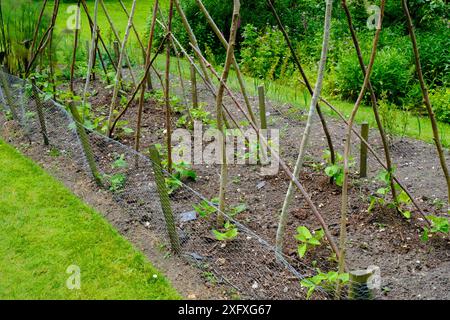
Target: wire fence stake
{"points": [[164, 199]]}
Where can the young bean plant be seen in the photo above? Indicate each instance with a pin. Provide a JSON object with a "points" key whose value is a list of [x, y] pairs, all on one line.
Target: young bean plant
{"points": [[326, 281], [308, 240], [380, 198], [336, 170], [438, 225], [229, 232]]}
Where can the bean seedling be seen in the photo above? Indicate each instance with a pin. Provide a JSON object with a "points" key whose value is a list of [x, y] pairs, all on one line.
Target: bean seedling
{"points": [[307, 239]]}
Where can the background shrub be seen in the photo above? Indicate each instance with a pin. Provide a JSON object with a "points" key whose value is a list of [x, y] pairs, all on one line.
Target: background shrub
{"points": [[265, 54], [440, 103], [392, 75]]}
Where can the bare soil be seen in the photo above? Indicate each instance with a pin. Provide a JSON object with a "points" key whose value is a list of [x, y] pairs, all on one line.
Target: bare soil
{"points": [[410, 269]]}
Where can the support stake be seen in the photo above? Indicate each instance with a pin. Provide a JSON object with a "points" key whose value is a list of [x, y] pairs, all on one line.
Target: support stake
{"points": [[262, 107], [40, 111], [165, 201], [359, 289], [363, 150], [194, 87], [84, 139]]}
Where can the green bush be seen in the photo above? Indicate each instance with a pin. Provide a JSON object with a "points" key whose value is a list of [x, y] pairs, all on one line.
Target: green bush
{"points": [[392, 75], [265, 54], [435, 56], [298, 16], [440, 103]]}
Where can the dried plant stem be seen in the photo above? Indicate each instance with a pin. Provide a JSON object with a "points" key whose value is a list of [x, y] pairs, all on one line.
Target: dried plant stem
{"points": [[167, 90], [75, 46], [307, 132], [146, 75], [347, 147], [235, 64], [426, 100], [220, 113], [305, 80], [116, 36], [91, 52], [118, 73], [384, 140]]}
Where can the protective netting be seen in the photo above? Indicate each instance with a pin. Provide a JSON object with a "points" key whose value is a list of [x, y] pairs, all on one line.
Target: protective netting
{"points": [[129, 177]]}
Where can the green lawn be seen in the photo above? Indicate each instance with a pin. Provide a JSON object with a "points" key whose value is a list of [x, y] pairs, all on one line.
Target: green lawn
{"points": [[44, 229]]}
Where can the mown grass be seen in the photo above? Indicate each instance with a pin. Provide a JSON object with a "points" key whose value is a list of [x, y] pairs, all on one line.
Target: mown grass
{"points": [[44, 229], [278, 91]]}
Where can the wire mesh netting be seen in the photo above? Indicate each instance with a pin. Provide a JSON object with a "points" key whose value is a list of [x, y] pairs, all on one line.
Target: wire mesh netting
{"points": [[249, 263]]}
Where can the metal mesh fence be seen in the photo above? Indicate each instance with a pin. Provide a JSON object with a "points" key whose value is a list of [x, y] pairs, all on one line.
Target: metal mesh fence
{"points": [[249, 263]]}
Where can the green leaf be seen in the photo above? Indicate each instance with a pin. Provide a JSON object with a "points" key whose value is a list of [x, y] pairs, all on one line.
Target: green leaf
{"points": [[339, 179], [384, 176], [403, 198], [303, 233], [319, 234], [332, 171], [406, 214], [314, 242], [344, 277], [332, 276], [239, 208], [383, 191], [373, 201], [302, 250], [439, 224], [425, 235], [219, 235]]}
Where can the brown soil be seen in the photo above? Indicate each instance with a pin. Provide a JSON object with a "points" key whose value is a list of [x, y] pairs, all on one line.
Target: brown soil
{"points": [[410, 269]]}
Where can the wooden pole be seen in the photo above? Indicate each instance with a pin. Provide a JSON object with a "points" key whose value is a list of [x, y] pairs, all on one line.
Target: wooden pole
{"points": [[117, 54], [118, 79], [40, 111], [220, 112], [235, 64], [146, 76], [373, 98], [75, 46], [44, 40], [167, 90], [426, 100], [84, 139], [91, 23], [133, 95], [305, 79], [91, 53], [363, 150], [347, 147], [262, 107], [276, 157], [359, 289], [36, 30], [194, 87], [117, 38], [164, 200]]}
